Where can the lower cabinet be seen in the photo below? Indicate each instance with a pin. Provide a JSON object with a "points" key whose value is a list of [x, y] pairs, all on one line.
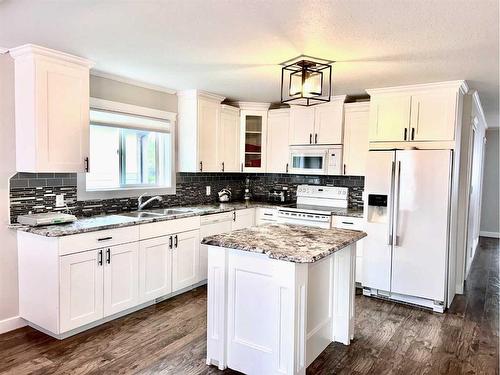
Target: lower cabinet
{"points": [[155, 265], [185, 259], [243, 219]]}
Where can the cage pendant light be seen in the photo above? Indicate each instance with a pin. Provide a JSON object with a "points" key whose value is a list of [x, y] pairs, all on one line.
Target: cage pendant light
{"points": [[306, 81]]}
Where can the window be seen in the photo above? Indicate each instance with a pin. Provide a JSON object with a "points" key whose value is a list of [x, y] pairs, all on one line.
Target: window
{"points": [[129, 152]]}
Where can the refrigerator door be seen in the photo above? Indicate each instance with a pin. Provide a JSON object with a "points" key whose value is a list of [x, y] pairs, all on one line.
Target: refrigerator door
{"points": [[421, 223], [377, 247]]}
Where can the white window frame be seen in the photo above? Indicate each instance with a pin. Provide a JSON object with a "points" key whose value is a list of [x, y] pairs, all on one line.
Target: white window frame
{"points": [[135, 191]]}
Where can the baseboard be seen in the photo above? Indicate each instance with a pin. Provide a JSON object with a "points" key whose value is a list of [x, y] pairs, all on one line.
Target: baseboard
{"points": [[489, 234], [11, 324]]}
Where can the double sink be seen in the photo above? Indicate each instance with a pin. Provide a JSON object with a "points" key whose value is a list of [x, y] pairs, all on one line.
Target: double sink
{"points": [[158, 212]]}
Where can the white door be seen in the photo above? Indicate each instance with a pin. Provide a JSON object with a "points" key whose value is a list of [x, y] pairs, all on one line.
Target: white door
{"points": [[121, 278], [208, 119], [205, 231], [155, 268], [433, 116], [62, 116], [328, 123], [243, 219], [421, 209], [228, 148], [301, 125], [389, 118], [81, 289], [277, 141], [356, 139], [253, 140], [185, 259], [377, 248]]}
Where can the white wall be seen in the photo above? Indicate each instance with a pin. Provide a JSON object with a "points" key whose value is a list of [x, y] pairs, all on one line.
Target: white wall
{"points": [[8, 249], [490, 210]]}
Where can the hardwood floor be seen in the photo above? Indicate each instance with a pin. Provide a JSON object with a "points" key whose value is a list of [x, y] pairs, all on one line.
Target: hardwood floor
{"points": [[169, 338]]}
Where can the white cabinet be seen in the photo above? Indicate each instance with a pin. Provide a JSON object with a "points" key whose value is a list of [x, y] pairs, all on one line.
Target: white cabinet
{"points": [[356, 145], [185, 259], [319, 124], [253, 138], [417, 113], [228, 138], [243, 219], [82, 289], [277, 140], [155, 272], [198, 124], [52, 110], [266, 215]]}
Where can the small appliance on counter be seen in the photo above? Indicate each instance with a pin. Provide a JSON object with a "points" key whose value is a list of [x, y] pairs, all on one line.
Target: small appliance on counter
{"points": [[279, 196], [47, 218], [224, 195]]}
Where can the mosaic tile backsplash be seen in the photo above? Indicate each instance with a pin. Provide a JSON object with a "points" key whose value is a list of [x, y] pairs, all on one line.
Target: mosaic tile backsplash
{"points": [[36, 192]]}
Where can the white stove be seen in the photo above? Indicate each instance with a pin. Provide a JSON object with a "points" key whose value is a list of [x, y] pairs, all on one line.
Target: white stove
{"points": [[314, 205]]}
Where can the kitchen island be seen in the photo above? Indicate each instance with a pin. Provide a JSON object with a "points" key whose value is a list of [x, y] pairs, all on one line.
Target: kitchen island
{"points": [[278, 295]]}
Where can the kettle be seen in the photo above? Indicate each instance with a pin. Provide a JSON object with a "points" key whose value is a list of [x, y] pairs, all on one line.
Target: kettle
{"points": [[224, 195]]}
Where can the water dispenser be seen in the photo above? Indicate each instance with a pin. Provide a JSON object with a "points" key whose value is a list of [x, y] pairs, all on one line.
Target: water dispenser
{"points": [[377, 208]]}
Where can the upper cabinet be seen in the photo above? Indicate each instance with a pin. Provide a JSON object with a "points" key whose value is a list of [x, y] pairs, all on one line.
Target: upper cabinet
{"points": [[418, 113], [228, 148], [52, 110], [253, 117], [278, 124], [319, 124], [198, 127], [356, 117]]}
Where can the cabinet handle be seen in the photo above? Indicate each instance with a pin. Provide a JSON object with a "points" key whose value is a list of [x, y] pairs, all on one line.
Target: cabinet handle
{"points": [[344, 169], [406, 133], [234, 215], [170, 242], [242, 167], [104, 238], [108, 256], [99, 258], [316, 138], [348, 222], [222, 166], [176, 241], [412, 134], [286, 168], [201, 166], [86, 164], [310, 138]]}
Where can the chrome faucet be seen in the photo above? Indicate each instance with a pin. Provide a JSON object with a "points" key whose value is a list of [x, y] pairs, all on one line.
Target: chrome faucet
{"points": [[141, 205]]}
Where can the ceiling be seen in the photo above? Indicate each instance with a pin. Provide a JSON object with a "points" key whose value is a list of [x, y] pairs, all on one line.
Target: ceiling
{"points": [[234, 47]]}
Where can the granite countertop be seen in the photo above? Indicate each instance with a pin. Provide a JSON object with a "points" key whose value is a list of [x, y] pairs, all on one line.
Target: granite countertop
{"points": [[292, 243]]}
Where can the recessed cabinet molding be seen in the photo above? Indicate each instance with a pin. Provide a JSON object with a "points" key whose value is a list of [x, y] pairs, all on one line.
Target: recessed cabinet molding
{"points": [[52, 110], [319, 124], [417, 113], [356, 118], [228, 137], [198, 127]]}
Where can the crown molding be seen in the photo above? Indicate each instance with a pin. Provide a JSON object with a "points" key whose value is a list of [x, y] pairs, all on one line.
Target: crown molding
{"points": [[459, 85], [479, 107], [193, 93], [131, 81], [108, 105], [32, 49], [253, 105], [3, 50], [357, 106], [279, 111], [230, 108]]}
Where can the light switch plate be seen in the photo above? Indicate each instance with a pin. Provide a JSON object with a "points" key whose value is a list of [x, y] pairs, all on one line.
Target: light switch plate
{"points": [[208, 190]]}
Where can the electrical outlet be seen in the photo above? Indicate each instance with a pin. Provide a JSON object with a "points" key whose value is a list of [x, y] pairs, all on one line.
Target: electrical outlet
{"points": [[60, 200], [208, 190]]}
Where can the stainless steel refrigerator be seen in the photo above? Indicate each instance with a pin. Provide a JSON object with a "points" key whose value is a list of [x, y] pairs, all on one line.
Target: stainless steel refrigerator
{"points": [[407, 211]]}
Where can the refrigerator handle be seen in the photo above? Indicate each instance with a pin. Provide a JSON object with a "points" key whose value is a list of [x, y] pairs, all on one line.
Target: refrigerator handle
{"points": [[391, 206], [396, 211]]}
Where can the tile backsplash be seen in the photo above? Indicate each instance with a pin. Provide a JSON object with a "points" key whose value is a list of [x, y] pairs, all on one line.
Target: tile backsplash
{"points": [[36, 192]]}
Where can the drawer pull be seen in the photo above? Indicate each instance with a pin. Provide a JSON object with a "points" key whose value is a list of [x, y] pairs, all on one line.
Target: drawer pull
{"points": [[99, 258], [348, 222], [104, 239], [267, 214]]}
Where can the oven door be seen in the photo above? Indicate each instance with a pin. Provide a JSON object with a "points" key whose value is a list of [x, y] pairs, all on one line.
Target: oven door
{"points": [[306, 161]]}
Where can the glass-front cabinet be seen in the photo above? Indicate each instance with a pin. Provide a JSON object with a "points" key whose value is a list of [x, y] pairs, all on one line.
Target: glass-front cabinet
{"points": [[253, 140]]}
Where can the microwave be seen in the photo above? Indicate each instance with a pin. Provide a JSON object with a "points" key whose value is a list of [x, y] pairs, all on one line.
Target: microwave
{"points": [[326, 160]]}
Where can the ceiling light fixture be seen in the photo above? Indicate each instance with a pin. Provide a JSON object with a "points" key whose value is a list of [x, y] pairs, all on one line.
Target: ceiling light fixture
{"points": [[306, 81]]}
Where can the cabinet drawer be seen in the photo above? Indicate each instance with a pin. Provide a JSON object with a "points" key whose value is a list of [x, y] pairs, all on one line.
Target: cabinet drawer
{"points": [[216, 218], [163, 228], [94, 240], [347, 222], [266, 215]]}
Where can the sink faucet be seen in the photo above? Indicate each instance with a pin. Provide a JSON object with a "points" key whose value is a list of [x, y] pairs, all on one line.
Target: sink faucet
{"points": [[141, 205]]}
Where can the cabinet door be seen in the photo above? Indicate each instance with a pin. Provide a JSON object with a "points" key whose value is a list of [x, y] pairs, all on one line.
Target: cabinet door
{"points": [[243, 219], [81, 289], [155, 268], [185, 259], [433, 116], [208, 118], [254, 138], [301, 125], [389, 117], [62, 116], [277, 142], [356, 140], [328, 123], [121, 278], [228, 148]]}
